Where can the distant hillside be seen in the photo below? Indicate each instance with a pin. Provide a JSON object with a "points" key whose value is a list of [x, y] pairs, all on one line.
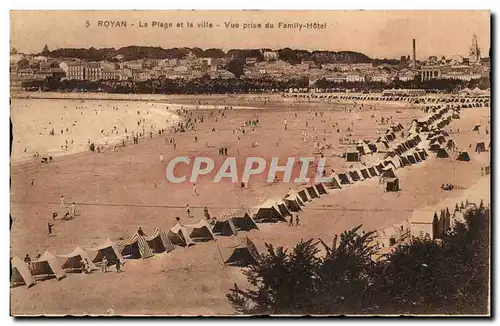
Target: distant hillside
{"points": [[148, 52]]}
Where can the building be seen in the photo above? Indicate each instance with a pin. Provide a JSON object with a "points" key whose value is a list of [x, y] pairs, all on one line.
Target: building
{"points": [[353, 78], [474, 52], [250, 61], [110, 74], [430, 72], [270, 55], [74, 69], [93, 71]]}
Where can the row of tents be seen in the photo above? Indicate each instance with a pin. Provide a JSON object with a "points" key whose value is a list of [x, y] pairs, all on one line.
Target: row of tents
{"points": [[471, 99], [145, 246], [137, 246]]}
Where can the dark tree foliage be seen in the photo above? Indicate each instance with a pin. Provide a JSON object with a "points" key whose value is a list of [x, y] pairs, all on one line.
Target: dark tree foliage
{"points": [[450, 276], [134, 52], [236, 66], [203, 85]]}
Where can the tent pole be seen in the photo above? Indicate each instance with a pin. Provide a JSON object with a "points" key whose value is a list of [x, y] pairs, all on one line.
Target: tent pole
{"points": [[220, 253]]}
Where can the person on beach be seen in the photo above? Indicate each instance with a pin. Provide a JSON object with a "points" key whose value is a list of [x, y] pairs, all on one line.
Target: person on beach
{"points": [[188, 211], [32, 182], [62, 202], [27, 259], [290, 223], [104, 267], [161, 157], [118, 266], [195, 192], [50, 226], [297, 220], [72, 210]]}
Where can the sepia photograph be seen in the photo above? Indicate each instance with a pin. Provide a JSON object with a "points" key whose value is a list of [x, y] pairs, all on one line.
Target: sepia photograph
{"points": [[250, 162]]}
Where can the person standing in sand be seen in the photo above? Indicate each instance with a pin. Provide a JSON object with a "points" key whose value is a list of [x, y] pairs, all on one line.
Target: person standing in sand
{"points": [[50, 226], [188, 211], [62, 202], [195, 192], [72, 210], [104, 267], [161, 157]]}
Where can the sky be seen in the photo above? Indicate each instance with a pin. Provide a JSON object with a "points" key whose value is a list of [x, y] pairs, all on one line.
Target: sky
{"points": [[377, 34]]}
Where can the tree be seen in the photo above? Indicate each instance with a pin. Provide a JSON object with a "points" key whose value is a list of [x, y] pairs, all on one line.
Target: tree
{"points": [[449, 276], [236, 66], [23, 63], [300, 282], [45, 51]]}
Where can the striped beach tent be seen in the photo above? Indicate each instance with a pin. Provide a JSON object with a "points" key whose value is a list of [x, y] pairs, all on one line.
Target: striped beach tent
{"points": [[159, 242], [135, 247]]}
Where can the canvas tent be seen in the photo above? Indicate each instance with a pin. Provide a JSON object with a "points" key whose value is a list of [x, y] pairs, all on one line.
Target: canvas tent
{"points": [[355, 175], [159, 242], [293, 201], [108, 249], [244, 255], [179, 236], [304, 195], [392, 184], [404, 161], [411, 159], [396, 161], [442, 153], [352, 156], [46, 267], [268, 212], [294, 195], [333, 182], [224, 228], [320, 189], [363, 148], [312, 192], [243, 221], [344, 178], [463, 156], [373, 171], [364, 173], [135, 247], [480, 147], [284, 211], [379, 167], [200, 231], [20, 273], [73, 261], [388, 173]]}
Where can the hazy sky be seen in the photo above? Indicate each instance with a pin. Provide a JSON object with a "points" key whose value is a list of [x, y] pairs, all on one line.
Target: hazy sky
{"points": [[375, 33]]}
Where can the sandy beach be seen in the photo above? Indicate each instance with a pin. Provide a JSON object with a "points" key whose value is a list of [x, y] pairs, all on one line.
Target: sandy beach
{"points": [[118, 192]]}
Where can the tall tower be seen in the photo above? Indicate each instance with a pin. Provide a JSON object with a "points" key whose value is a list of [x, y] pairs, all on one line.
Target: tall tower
{"points": [[474, 51], [414, 64]]}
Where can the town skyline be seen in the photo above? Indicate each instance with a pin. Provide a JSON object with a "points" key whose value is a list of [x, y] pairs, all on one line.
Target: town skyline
{"points": [[385, 34]]}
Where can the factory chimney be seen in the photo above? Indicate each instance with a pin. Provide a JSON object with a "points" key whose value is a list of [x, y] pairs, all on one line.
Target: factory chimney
{"points": [[414, 64]]}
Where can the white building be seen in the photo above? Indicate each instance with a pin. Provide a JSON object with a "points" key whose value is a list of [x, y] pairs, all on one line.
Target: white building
{"points": [[270, 55]]}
